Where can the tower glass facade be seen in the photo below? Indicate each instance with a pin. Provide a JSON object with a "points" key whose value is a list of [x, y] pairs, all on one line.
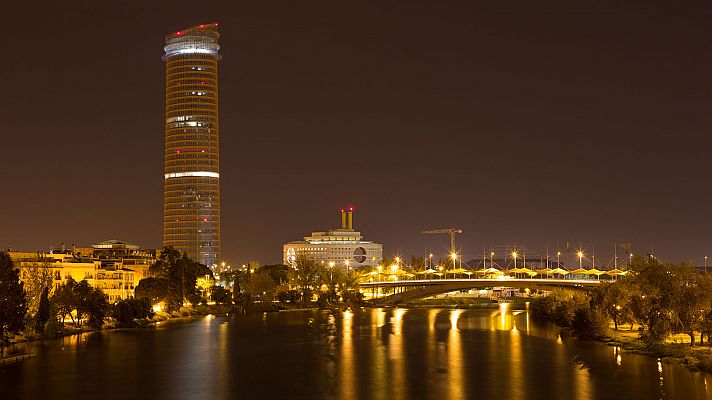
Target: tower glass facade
{"points": [[191, 189]]}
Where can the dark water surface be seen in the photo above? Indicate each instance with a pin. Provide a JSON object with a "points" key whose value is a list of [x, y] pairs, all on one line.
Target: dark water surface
{"points": [[484, 353]]}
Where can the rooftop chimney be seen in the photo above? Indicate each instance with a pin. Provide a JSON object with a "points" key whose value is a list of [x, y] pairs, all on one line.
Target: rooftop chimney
{"points": [[351, 218], [343, 219]]}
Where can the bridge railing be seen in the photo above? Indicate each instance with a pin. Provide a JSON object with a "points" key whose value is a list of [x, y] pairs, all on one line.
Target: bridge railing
{"points": [[493, 273]]}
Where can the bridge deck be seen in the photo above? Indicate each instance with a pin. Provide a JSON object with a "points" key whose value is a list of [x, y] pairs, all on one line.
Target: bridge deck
{"points": [[490, 281], [422, 288]]}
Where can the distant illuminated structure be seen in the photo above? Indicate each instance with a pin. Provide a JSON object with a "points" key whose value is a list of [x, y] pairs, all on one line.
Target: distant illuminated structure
{"points": [[343, 248], [191, 190]]}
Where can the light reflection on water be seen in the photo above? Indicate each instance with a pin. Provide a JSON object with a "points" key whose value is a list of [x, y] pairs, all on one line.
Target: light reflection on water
{"points": [[494, 352]]}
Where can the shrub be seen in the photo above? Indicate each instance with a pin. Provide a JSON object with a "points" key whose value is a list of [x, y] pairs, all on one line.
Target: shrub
{"points": [[590, 322], [127, 311]]}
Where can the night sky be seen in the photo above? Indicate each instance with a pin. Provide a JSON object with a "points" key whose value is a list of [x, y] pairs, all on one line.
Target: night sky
{"points": [[516, 121]]}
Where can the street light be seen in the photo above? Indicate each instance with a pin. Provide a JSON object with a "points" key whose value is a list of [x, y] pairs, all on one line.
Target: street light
{"points": [[514, 256], [580, 257], [431, 260], [347, 266], [705, 264], [331, 270], [558, 256], [491, 260], [454, 260]]}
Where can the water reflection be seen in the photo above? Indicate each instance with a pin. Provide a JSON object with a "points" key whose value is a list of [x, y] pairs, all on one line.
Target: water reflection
{"points": [[494, 352], [396, 356], [348, 366], [455, 367]]}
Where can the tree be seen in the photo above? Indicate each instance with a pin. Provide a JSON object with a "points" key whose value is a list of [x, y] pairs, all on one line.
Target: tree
{"points": [[82, 294], [88, 302], [36, 278], [64, 300], [127, 311], [221, 295], [249, 286], [181, 273], [306, 276], [278, 272], [671, 298], [349, 287], [13, 303], [590, 322], [95, 305], [690, 304], [43, 311], [614, 299], [205, 286], [260, 286], [153, 289]]}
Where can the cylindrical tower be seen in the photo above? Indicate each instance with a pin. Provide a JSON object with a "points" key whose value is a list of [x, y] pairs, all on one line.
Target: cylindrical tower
{"points": [[191, 189]]}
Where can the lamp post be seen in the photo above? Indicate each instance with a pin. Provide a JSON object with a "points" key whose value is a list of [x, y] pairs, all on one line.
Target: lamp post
{"points": [[347, 266], [580, 257], [514, 256], [558, 257], [430, 257], [491, 260], [454, 260], [331, 271], [705, 264]]}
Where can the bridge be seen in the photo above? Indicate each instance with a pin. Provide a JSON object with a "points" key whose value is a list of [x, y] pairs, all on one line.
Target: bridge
{"points": [[409, 290]]}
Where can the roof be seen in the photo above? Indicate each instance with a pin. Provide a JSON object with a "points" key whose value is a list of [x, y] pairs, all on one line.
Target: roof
{"points": [[210, 30]]}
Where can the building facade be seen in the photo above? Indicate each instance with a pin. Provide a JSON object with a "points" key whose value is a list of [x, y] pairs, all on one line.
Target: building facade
{"points": [[126, 256], [191, 195], [343, 247], [115, 281], [113, 266]]}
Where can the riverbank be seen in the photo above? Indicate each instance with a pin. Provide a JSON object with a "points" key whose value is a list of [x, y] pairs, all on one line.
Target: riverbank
{"points": [[184, 313], [675, 350]]}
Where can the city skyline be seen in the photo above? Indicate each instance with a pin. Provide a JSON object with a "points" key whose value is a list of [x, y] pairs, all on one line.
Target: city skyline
{"points": [[510, 128]]}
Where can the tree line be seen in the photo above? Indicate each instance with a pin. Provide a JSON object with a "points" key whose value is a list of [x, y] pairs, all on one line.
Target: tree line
{"points": [[35, 303], [657, 299]]}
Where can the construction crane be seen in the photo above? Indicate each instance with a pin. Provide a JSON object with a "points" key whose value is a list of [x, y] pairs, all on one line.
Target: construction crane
{"points": [[450, 231]]}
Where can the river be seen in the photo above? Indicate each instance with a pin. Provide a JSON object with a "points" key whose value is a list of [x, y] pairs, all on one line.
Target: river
{"points": [[489, 352]]}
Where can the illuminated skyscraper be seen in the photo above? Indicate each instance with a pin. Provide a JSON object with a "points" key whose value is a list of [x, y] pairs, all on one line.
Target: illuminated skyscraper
{"points": [[191, 189]]}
